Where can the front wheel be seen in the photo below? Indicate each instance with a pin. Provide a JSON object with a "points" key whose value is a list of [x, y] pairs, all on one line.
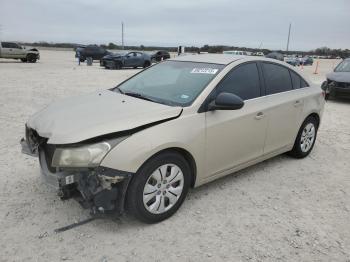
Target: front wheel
{"points": [[158, 189], [306, 138], [31, 58], [118, 65]]}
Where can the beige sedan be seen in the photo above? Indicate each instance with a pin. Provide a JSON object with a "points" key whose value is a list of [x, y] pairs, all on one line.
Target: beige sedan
{"points": [[181, 123]]}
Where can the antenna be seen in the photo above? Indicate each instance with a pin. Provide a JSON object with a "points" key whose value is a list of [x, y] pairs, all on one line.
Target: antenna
{"points": [[290, 25], [123, 35]]}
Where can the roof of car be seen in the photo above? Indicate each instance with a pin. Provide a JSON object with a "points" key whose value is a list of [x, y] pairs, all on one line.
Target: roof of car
{"points": [[209, 58], [223, 59]]}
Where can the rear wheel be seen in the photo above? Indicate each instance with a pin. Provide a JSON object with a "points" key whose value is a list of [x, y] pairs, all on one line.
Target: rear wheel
{"points": [[306, 138], [159, 187], [146, 64]]}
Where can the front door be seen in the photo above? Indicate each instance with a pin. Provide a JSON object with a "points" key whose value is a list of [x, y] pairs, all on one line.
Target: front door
{"points": [[235, 137]]}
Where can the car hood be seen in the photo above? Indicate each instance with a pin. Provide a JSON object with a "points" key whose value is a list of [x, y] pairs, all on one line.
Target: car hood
{"points": [[339, 76], [80, 118]]}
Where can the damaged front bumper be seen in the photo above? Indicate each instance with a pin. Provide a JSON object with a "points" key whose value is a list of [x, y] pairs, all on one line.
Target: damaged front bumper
{"points": [[101, 189]]}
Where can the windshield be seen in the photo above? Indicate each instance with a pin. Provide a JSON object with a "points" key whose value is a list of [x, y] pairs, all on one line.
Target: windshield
{"points": [[343, 66], [172, 83]]}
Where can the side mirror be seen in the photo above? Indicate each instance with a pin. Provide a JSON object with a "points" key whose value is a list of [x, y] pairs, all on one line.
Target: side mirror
{"points": [[226, 101]]}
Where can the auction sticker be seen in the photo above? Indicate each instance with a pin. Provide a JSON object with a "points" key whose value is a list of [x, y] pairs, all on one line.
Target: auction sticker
{"points": [[211, 71]]}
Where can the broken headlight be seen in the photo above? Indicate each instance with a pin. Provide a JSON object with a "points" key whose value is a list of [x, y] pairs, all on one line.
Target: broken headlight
{"points": [[82, 156]]}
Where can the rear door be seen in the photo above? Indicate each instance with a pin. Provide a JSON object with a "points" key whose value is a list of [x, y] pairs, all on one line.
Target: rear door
{"points": [[234, 137], [284, 107], [6, 50], [139, 59]]}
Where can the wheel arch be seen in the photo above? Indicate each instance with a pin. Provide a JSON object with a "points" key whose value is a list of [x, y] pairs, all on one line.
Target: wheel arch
{"points": [[188, 157], [316, 116]]}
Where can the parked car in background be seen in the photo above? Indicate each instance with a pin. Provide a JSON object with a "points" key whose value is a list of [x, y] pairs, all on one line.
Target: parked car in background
{"points": [[159, 56], [235, 52], [94, 51], [128, 59], [294, 61], [275, 55], [11, 50], [179, 124], [258, 54], [306, 60], [110, 57], [338, 82]]}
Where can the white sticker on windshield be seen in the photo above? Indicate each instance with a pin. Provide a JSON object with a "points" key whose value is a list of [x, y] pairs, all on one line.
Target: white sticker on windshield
{"points": [[211, 71]]}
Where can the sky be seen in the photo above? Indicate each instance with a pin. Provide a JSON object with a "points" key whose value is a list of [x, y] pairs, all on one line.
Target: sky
{"points": [[244, 23]]}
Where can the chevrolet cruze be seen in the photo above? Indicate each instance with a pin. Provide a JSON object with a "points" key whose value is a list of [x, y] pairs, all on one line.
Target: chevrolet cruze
{"points": [[179, 124]]}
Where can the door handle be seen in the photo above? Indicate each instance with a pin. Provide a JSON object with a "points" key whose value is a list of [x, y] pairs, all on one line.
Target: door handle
{"points": [[297, 103], [259, 115]]}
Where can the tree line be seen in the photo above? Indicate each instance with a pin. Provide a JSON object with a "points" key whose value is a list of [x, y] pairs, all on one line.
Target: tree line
{"points": [[321, 51]]}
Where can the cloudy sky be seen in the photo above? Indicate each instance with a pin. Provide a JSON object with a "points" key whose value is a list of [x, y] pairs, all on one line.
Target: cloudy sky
{"points": [[249, 23]]}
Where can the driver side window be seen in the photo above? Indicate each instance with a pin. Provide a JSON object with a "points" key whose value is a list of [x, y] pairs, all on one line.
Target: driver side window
{"points": [[242, 81]]}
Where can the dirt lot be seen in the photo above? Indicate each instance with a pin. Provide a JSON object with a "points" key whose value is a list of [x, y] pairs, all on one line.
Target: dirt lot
{"points": [[280, 210]]}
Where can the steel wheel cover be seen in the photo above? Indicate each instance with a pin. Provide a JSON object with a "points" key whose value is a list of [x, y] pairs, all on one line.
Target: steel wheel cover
{"points": [[163, 188], [307, 137]]}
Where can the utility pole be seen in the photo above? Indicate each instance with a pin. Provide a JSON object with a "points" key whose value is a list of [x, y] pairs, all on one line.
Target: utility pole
{"points": [[123, 35], [290, 25]]}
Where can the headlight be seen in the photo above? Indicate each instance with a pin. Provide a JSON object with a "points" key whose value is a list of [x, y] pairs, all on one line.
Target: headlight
{"points": [[83, 156]]}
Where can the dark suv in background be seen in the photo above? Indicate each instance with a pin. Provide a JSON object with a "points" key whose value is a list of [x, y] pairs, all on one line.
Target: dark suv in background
{"points": [[93, 51], [159, 56], [338, 81]]}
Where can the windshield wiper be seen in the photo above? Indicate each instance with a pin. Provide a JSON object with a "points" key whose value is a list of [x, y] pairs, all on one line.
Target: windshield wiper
{"points": [[138, 95], [119, 90]]}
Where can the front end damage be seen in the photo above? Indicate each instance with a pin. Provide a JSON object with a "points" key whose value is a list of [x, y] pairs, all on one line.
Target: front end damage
{"points": [[98, 188]]}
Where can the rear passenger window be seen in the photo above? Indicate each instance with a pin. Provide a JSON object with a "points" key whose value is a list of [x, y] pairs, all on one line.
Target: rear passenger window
{"points": [[242, 81], [303, 83], [5, 45], [277, 78], [296, 80]]}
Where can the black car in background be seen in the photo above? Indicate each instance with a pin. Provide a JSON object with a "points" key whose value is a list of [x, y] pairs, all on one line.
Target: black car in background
{"points": [[338, 81], [94, 51], [275, 55], [160, 55], [126, 59]]}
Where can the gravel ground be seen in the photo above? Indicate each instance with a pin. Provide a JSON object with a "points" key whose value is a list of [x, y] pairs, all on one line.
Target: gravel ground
{"points": [[279, 210]]}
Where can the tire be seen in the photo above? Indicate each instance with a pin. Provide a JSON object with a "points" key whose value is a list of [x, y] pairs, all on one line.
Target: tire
{"points": [[152, 198], [24, 60], [146, 64], [118, 65], [31, 58], [305, 139]]}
